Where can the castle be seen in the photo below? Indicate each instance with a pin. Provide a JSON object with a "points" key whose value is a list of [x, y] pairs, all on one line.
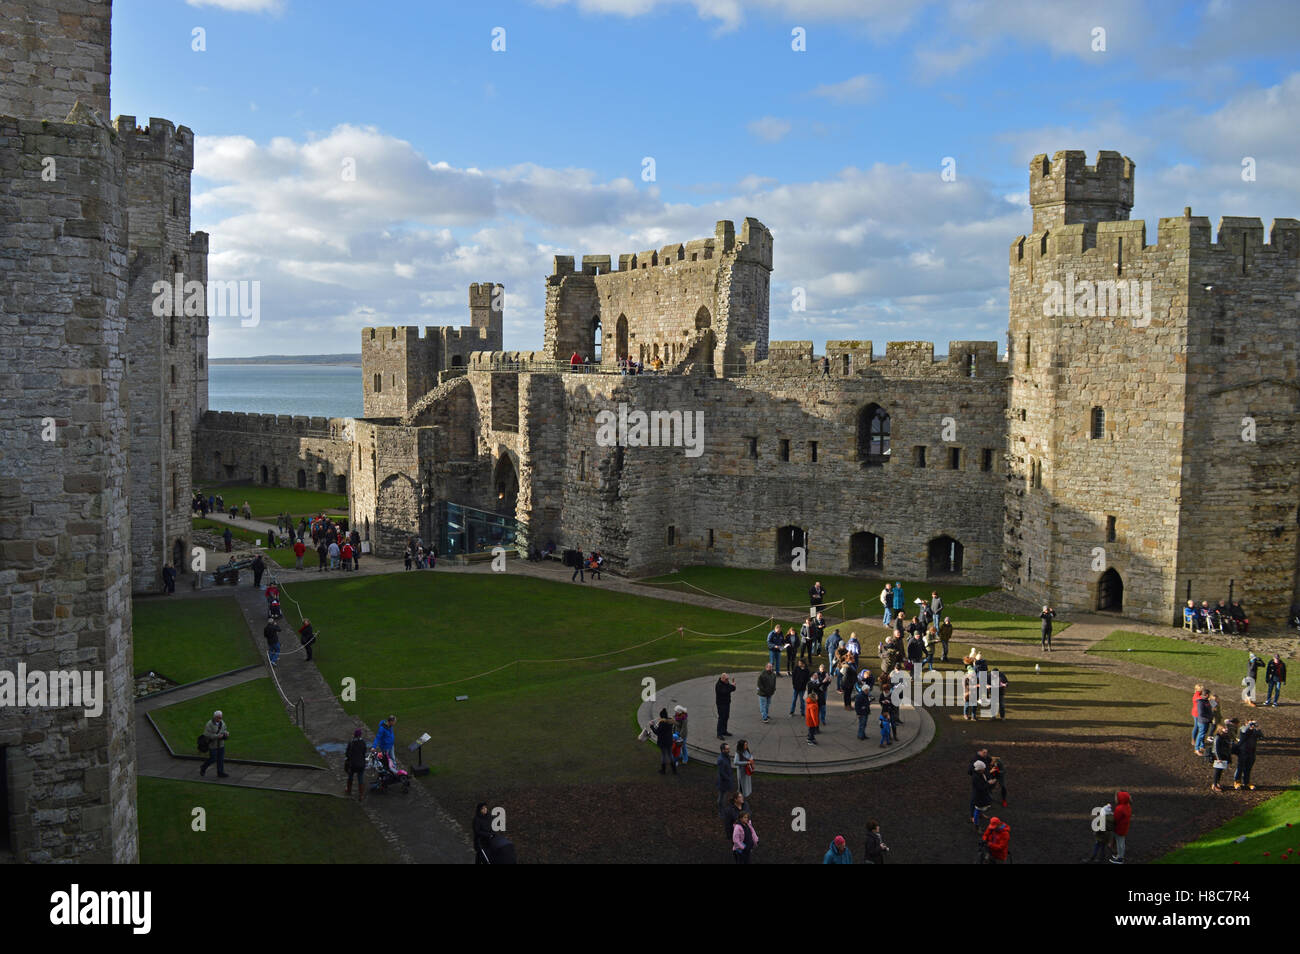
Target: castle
{"points": [[1137, 443]]}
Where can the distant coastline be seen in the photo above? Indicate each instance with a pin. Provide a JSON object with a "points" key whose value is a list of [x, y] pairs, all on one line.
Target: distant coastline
{"points": [[344, 360]]}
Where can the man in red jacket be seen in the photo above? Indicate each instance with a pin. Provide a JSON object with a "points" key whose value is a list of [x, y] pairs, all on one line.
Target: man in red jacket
{"points": [[997, 839], [1123, 815]]}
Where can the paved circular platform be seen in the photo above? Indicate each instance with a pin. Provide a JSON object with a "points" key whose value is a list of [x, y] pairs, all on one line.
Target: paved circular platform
{"points": [[780, 747]]}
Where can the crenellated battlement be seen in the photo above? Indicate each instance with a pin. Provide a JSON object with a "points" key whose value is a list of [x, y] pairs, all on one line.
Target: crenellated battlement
{"points": [[755, 244], [160, 141], [902, 359], [1065, 190], [286, 424]]}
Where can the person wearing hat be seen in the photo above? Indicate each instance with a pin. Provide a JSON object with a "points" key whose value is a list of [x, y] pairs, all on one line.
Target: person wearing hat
{"points": [[385, 738], [354, 763], [981, 791], [216, 732], [838, 853]]}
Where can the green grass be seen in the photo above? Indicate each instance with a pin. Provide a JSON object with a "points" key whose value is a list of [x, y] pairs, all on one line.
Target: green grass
{"points": [[1004, 625], [186, 640], [1199, 661], [260, 727], [784, 588], [252, 825], [267, 503], [283, 556], [1273, 827]]}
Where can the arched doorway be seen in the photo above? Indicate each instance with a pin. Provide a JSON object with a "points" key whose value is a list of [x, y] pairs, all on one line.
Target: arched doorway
{"points": [[873, 436], [506, 484], [179, 563], [264, 474], [595, 340], [320, 480], [703, 319], [946, 556], [340, 484], [620, 337], [1110, 592], [866, 551], [787, 538], [302, 479]]}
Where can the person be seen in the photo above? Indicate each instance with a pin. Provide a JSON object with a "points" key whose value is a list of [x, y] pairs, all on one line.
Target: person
{"points": [[1200, 719], [664, 738], [1244, 748], [766, 689], [744, 770], [227, 536], [799, 683], [724, 785], [886, 725], [791, 648], [774, 647], [936, 604], [1002, 683], [355, 540], [916, 652], [1238, 613], [579, 570], [821, 682], [299, 548], [997, 841], [834, 642], [816, 595], [981, 794], [1123, 816], [731, 813], [1275, 676], [345, 555], [406, 558], [1253, 665], [248, 511], [1103, 824], [354, 762], [930, 643], [272, 635], [680, 720], [862, 707], [722, 691], [216, 732], [838, 853], [743, 839], [1222, 754], [333, 551], [307, 636], [997, 779], [169, 579], [875, 850], [818, 632], [887, 601], [385, 739], [270, 538], [1048, 614], [854, 645], [322, 553], [945, 634], [482, 829], [811, 709]]}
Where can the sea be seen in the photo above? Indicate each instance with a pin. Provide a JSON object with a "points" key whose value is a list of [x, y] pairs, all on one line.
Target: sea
{"points": [[313, 390]]}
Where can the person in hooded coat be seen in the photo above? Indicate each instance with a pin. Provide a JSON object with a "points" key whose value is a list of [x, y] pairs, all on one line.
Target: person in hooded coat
{"points": [[1122, 817], [997, 839]]}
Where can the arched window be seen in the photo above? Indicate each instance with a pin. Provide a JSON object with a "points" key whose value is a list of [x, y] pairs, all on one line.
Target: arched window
{"points": [[866, 551], [620, 337], [702, 319], [946, 556], [787, 538], [873, 436], [595, 340], [1097, 425], [265, 475], [379, 384]]}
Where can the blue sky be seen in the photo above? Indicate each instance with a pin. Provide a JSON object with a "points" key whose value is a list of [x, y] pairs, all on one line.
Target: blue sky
{"points": [[475, 164]]}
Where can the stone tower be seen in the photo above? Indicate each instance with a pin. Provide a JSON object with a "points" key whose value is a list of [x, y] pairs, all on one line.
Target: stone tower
{"points": [[486, 308], [1065, 190], [64, 527]]}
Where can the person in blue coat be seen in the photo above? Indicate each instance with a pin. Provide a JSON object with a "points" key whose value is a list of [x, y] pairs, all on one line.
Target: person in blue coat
{"points": [[838, 853], [898, 596], [384, 738]]}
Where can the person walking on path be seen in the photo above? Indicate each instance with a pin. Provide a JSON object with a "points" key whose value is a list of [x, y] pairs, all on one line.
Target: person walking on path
{"points": [[322, 554], [1123, 816], [385, 739], [838, 853], [299, 548], [744, 770], [810, 714], [307, 636], [1201, 715], [272, 635], [766, 689], [579, 568], [981, 791], [862, 706], [228, 538], [1222, 754], [259, 567], [1275, 676], [743, 839], [722, 691], [799, 684], [354, 761], [1244, 748], [169, 579], [334, 551], [216, 732], [482, 830], [664, 738], [724, 784], [1048, 614], [774, 647], [821, 681], [887, 601], [945, 634]]}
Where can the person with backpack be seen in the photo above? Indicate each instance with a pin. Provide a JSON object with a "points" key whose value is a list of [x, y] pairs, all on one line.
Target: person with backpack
{"points": [[838, 853], [354, 763], [213, 741], [997, 841], [1123, 816], [272, 635]]}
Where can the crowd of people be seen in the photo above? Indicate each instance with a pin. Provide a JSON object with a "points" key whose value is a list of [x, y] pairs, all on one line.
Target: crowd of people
{"points": [[1223, 617], [1220, 738]]}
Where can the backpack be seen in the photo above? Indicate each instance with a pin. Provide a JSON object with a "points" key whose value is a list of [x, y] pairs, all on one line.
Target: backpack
{"points": [[204, 745]]}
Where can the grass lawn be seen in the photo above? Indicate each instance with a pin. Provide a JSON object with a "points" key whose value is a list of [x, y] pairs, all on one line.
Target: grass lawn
{"points": [[784, 588], [246, 824], [1027, 628], [1271, 829], [1199, 661], [186, 640], [281, 555], [260, 727], [267, 503]]}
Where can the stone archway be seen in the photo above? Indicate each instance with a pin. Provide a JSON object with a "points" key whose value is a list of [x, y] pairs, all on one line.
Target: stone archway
{"points": [[1110, 592], [505, 485], [397, 514], [620, 337]]}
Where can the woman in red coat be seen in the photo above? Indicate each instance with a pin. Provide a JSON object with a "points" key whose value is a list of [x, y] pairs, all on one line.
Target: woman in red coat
{"points": [[811, 714]]}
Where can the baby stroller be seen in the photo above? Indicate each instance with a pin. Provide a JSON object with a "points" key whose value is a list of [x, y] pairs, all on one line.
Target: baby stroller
{"points": [[273, 610], [383, 775]]}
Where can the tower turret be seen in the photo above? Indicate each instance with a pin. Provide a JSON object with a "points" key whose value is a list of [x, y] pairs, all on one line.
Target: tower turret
{"points": [[1065, 190]]}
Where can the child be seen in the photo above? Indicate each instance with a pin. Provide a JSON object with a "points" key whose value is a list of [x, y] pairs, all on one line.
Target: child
{"points": [[273, 611], [680, 717], [886, 726], [1102, 820], [679, 751]]}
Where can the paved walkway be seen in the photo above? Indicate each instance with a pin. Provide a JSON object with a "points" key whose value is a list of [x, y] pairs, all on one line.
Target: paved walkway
{"points": [[781, 746]]}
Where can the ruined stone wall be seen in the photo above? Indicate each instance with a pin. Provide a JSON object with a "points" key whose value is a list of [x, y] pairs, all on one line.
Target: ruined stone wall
{"points": [[399, 366], [53, 54], [313, 453], [64, 526]]}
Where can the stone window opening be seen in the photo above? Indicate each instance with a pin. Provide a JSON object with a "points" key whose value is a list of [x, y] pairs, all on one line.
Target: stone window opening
{"points": [[918, 455], [372, 334], [265, 475], [173, 375], [986, 460], [582, 465], [618, 460], [171, 331], [1042, 245], [710, 544], [866, 551], [302, 479], [874, 435], [173, 430], [378, 387], [672, 536], [1110, 528], [176, 205], [1097, 430], [970, 365], [394, 334], [753, 447], [946, 556], [595, 340], [954, 458], [320, 480], [1029, 361], [785, 448], [787, 539], [812, 452]]}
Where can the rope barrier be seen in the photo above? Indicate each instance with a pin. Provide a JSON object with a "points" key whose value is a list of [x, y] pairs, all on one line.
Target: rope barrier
{"points": [[732, 599]]}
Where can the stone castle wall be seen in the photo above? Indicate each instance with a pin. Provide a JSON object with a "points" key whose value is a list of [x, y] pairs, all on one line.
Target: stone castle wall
{"points": [[54, 55], [313, 453]]}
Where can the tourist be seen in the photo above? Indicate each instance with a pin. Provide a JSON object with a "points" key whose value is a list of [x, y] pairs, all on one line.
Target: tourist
{"points": [[982, 757], [981, 794], [1003, 682], [270, 538], [887, 601], [898, 597], [724, 783], [1244, 748], [838, 853], [322, 552], [355, 540], [169, 579], [848, 680], [743, 839], [664, 739], [887, 730], [970, 694], [334, 553], [997, 841], [811, 710], [774, 647], [299, 548], [307, 636], [930, 643], [386, 738], [354, 762], [874, 853], [1102, 823], [216, 732], [346, 555], [1048, 614], [853, 645], [248, 511], [228, 538], [862, 707], [916, 651], [731, 813], [833, 643], [481, 828], [799, 683], [744, 770], [766, 689], [406, 558], [579, 571], [680, 718], [816, 595], [722, 691], [791, 648], [826, 365], [945, 634], [1275, 676], [821, 681], [805, 639], [1253, 666], [1221, 751], [272, 635], [936, 604], [1239, 617], [819, 632], [1200, 718], [1123, 817]]}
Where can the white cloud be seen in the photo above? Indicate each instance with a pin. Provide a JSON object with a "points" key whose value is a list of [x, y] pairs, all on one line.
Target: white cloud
{"points": [[769, 128], [856, 89], [241, 6]]}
